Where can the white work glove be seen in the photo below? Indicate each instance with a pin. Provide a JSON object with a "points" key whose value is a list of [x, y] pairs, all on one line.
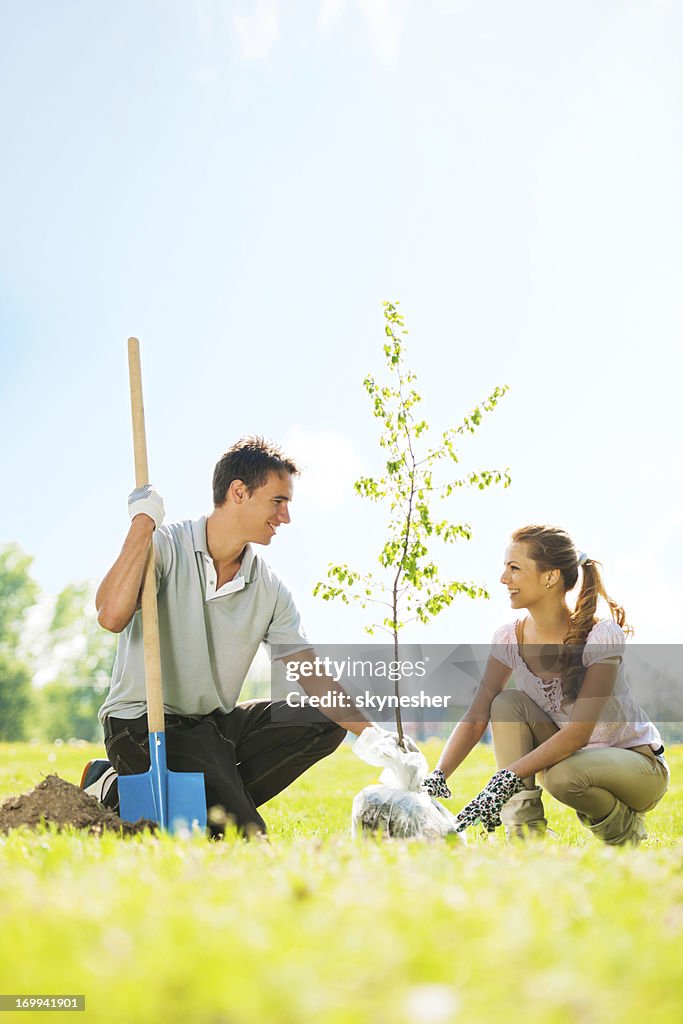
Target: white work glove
{"points": [[146, 501]]}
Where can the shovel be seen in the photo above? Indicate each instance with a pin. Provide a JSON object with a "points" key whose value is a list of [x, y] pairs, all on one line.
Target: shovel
{"points": [[176, 800]]}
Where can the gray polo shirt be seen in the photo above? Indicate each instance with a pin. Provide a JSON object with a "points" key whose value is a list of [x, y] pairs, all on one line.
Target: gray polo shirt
{"points": [[208, 638]]}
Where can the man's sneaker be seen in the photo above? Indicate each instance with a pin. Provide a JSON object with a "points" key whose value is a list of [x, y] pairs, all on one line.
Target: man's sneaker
{"points": [[100, 780]]}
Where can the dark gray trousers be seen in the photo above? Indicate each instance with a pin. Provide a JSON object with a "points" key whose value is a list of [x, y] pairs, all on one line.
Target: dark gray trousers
{"points": [[246, 757]]}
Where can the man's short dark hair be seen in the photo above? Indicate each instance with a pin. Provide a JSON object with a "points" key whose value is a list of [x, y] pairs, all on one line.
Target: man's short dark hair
{"points": [[251, 460]]}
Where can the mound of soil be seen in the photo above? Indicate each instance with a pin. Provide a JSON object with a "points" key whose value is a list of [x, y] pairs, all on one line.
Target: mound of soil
{"points": [[66, 806]]}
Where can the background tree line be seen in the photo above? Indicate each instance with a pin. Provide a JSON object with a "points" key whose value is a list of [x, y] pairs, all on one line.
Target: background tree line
{"points": [[55, 660]]}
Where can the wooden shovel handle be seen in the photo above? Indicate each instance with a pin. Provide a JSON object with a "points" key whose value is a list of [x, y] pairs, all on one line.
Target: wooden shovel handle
{"points": [[150, 617]]}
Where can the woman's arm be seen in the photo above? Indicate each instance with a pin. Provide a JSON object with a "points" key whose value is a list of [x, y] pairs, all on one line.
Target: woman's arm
{"points": [[472, 727], [596, 689]]}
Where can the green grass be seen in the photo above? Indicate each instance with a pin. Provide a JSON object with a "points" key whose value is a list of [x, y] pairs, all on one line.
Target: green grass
{"points": [[314, 927]]}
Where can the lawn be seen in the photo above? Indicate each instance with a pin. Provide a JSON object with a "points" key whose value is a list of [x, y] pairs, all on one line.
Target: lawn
{"points": [[312, 926]]}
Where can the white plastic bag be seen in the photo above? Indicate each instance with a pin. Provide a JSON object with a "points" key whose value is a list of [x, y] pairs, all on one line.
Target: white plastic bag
{"points": [[397, 806]]}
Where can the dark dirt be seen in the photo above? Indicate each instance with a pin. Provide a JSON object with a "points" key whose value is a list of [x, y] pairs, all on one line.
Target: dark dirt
{"points": [[59, 802]]}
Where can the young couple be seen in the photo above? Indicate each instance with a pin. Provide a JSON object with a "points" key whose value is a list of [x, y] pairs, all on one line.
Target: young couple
{"points": [[218, 600]]}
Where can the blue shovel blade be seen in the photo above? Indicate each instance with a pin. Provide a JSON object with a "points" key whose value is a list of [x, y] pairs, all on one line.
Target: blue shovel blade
{"points": [[175, 800], [186, 801]]}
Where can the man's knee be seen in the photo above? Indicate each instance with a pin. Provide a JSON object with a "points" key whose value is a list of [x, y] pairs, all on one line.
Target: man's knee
{"points": [[331, 737], [227, 811]]}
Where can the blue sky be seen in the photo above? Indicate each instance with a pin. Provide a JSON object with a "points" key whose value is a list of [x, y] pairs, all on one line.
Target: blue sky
{"points": [[242, 184]]}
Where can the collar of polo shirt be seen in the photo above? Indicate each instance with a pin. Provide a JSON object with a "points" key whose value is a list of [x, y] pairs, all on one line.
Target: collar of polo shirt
{"points": [[247, 572]]}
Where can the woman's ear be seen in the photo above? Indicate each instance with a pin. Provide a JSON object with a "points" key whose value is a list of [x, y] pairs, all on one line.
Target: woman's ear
{"points": [[552, 577]]}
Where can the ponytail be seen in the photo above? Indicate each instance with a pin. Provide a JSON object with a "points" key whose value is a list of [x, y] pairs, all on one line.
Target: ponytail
{"points": [[582, 621], [583, 617]]}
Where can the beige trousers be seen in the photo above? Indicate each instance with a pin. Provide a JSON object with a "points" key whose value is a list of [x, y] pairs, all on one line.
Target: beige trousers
{"points": [[593, 780]]}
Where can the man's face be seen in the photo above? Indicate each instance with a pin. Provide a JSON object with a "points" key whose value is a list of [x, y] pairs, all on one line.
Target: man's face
{"points": [[267, 508]]}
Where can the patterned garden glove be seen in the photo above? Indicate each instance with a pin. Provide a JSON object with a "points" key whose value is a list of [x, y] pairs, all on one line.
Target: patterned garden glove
{"points": [[486, 807], [148, 501], [435, 784]]}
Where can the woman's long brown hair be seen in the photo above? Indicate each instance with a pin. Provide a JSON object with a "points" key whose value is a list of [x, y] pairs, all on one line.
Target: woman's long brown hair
{"points": [[552, 548]]}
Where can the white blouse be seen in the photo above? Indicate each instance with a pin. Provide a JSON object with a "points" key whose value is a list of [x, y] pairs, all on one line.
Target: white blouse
{"points": [[623, 723]]}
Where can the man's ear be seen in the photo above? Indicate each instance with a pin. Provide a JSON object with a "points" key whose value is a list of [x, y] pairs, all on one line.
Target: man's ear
{"points": [[237, 491]]}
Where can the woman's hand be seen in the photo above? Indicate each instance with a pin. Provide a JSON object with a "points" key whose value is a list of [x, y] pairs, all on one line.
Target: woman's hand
{"points": [[435, 784], [487, 805]]}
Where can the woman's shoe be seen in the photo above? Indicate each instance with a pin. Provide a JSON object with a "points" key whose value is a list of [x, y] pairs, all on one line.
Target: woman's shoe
{"points": [[523, 816], [622, 827]]}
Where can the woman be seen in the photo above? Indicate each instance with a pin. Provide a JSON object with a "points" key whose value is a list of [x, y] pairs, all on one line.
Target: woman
{"points": [[571, 719]]}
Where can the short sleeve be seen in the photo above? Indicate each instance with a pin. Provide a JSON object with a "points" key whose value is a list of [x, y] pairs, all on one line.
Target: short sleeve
{"points": [[605, 640], [163, 555], [285, 629], [502, 648]]}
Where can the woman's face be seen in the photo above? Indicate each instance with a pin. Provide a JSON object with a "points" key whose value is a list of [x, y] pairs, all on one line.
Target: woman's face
{"points": [[525, 584]]}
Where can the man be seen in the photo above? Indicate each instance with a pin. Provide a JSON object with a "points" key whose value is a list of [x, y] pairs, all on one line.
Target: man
{"points": [[218, 600]]}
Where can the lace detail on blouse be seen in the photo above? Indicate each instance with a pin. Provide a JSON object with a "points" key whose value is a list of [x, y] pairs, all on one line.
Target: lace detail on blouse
{"points": [[551, 694], [624, 722]]}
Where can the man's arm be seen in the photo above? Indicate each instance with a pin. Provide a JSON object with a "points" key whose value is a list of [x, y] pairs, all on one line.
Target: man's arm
{"points": [[320, 685], [118, 594]]}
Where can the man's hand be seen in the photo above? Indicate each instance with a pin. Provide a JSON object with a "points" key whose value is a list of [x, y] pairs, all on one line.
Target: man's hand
{"points": [[436, 785], [410, 746], [487, 805], [146, 501]]}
